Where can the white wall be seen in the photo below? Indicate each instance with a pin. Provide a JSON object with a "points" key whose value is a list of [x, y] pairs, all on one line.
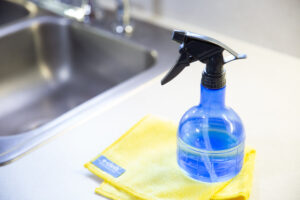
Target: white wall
{"points": [[271, 23]]}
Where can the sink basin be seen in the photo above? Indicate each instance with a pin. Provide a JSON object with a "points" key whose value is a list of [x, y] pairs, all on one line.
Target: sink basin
{"points": [[56, 72], [52, 65], [51, 69], [10, 12]]}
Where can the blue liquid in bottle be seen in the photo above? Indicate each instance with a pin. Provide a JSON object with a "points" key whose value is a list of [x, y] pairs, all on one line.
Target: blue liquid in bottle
{"points": [[210, 146]]}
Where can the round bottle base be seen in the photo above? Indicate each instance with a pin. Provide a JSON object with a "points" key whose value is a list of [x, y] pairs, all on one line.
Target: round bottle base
{"points": [[207, 179]]}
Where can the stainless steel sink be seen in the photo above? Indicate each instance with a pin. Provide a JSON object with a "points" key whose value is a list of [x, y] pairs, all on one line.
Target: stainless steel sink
{"points": [[52, 65], [53, 68]]}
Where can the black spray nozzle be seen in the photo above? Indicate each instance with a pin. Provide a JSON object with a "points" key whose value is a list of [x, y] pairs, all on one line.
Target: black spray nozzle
{"points": [[206, 50]]}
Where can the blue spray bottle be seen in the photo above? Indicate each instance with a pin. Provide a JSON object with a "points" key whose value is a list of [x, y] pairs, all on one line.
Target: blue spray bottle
{"points": [[210, 137]]}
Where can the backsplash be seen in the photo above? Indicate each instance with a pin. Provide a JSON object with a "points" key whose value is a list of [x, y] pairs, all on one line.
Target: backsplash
{"points": [[270, 23]]}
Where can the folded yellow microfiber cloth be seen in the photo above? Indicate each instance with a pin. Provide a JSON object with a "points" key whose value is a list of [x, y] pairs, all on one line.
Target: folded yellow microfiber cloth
{"points": [[142, 165]]}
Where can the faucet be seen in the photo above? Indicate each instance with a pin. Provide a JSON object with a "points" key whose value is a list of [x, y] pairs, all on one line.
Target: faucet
{"points": [[88, 9], [123, 25]]}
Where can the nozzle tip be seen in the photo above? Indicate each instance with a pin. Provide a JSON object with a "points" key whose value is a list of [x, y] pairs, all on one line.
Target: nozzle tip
{"points": [[178, 36], [242, 56]]}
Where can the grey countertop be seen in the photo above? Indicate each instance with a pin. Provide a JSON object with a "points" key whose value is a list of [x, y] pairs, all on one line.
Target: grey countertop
{"points": [[266, 99]]}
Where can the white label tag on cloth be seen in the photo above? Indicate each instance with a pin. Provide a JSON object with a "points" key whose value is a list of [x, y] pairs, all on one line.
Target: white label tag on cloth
{"points": [[108, 166]]}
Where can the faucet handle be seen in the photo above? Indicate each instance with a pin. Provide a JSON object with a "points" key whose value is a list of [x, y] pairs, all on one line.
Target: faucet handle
{"points": [[123, 17]]}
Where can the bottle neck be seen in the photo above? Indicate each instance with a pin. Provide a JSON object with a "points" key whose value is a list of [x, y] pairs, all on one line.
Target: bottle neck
{"points": [[212, 97]]}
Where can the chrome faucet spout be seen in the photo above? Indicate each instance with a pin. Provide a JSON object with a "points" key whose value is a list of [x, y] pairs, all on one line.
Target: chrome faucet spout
{"points": [[85, 10], [123, 25]]}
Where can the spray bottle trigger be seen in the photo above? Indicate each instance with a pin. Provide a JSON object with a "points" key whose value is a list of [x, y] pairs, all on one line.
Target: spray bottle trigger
{"points": [[182, 62]]}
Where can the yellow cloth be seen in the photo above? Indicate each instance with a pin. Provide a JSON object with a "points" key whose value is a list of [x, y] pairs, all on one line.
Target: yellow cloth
{"points": [[148, 154]]}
